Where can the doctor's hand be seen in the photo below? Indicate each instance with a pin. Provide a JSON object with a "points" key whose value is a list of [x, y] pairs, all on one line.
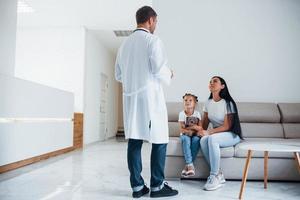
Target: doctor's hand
{"points": [[172, 73]]}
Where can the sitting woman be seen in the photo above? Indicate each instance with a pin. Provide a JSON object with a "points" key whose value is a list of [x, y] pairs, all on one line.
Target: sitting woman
{"points": [[220, 110]]}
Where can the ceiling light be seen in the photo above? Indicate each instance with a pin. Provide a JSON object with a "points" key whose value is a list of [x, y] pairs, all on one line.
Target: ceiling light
{"points": [[24, 7], [123, 33]]}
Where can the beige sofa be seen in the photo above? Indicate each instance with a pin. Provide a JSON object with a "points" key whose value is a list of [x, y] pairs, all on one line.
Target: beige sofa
{"points": [[260, 122]]}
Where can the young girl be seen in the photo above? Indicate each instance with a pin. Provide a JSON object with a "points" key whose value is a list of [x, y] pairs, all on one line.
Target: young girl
{"points": [[190, 127], [220, 110]]}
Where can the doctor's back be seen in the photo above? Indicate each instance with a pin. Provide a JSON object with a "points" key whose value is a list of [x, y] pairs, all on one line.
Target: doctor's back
{"points": [[134, 60]]}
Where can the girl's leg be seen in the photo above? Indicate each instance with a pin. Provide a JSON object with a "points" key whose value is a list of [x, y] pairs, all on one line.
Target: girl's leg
{"points": [[186, 148], [215, 141], [195, 145]]}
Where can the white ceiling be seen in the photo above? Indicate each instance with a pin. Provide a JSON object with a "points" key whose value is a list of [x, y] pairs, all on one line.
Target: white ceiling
{"points": [[108, 39], [101, 16]]}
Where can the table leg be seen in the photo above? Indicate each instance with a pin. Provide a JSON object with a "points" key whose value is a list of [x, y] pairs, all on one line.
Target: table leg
{"points": [[245, 173], [297, 160], [266, 169]]}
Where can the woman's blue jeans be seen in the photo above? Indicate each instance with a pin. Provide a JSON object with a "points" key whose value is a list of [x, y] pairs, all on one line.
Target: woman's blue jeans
{"points": [[211, 144]]}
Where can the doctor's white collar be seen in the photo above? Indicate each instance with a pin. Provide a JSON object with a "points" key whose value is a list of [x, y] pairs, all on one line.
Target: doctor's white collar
{"points": [[142, 29]]}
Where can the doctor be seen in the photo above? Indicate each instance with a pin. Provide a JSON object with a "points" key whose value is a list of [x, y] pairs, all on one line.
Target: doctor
{"points": [[141, 68]]}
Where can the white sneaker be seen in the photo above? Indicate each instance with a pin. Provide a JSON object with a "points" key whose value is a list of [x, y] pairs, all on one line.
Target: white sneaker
{"points": [[212, 183], [221, 177]]}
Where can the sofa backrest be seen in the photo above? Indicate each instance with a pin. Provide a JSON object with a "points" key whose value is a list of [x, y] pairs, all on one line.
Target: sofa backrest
{"points": [[258, 112], [260, 120], [290, 119], [257, 119]]}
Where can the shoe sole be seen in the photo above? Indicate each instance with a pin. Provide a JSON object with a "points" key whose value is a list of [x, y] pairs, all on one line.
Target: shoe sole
{"points": [[211, 189], [136, 197], [169, 195], [188, 176]]}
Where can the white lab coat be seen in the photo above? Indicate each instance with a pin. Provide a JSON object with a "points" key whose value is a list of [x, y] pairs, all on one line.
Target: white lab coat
{"points": [[141, 68]]}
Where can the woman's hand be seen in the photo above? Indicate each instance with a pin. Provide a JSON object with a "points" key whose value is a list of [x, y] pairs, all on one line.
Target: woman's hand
{"points": [[202, 133], [205, 132]]}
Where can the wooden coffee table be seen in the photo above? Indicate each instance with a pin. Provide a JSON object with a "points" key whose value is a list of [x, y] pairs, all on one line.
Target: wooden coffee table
{"points": [[266, 147]]}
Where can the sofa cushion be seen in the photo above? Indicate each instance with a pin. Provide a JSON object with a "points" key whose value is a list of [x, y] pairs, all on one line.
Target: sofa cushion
{"points": [[174, 130], [290, 112], [174, 108], [291, 130], [258, 112], [174, 149], [242, 153], [262, 130]]}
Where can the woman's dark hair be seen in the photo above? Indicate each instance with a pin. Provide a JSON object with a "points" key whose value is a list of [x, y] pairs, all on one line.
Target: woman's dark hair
{"points": [[144, 14], [224, 94]]}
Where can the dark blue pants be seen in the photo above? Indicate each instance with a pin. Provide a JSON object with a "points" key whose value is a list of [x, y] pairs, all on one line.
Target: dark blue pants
{"points": [[134, 160]]}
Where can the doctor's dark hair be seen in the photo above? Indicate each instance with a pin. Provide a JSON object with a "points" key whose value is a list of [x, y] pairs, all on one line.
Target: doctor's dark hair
{"points": [[231, 107], [191, 95], [144, 14]]}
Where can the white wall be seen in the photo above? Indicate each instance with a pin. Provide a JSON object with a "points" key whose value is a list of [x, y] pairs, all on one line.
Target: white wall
{"points": [[253, 44], [53, 57], [71, 59], [98, 60], [21, 139], [8, 22]]}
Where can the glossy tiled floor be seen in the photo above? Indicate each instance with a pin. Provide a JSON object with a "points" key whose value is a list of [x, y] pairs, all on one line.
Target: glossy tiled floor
{"points": [[100, 172]]}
